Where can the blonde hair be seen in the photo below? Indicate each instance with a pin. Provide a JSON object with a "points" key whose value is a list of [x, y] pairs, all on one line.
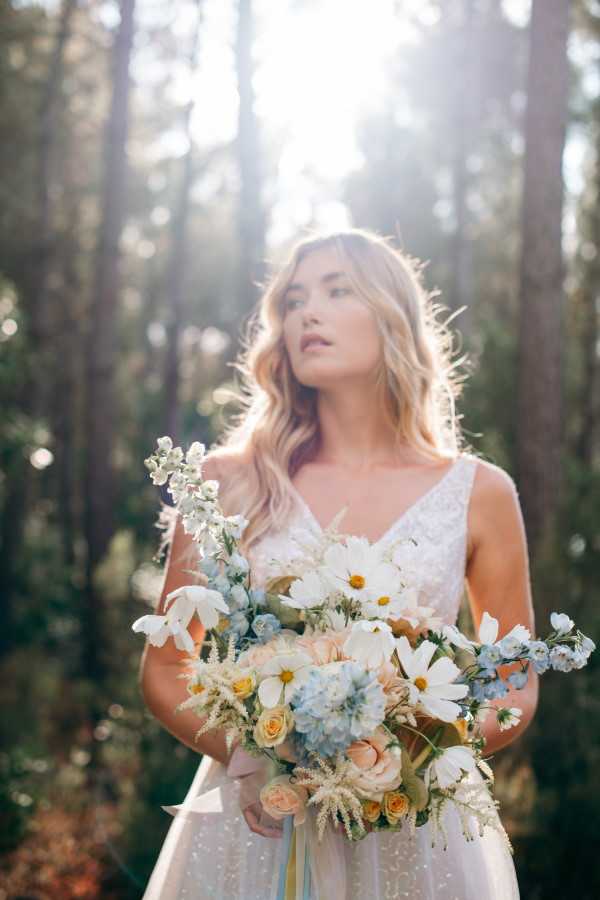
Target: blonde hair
{"points": [[278, 429]]}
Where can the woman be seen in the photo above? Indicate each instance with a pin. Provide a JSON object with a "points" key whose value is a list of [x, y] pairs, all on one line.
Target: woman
{"points": [[350, 393]]}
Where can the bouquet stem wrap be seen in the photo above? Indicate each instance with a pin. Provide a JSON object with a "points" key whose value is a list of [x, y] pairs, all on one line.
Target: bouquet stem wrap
{"points": [[307, 864]]}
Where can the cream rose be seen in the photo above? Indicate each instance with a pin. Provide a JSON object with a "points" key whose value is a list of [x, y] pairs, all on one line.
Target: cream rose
{"points": [[374, 769], [244, 685], [273, 726], [324, 648], [280, 798], [395, 806]]}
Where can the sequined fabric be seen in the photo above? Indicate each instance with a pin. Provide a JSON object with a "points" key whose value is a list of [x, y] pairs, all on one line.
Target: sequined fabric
{"points": [[222, 859]]}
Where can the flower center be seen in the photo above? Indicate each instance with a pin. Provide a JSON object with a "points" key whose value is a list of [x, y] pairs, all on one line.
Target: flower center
{"points": [[286, 676], [421, 683], [197, 688], [357, 581], [383, 601]]}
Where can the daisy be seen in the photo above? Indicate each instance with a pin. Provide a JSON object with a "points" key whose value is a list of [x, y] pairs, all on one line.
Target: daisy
{"points": [[431, 688], [370, 643], [449, 766], [357, 569], [285, 672], [508, 717]]}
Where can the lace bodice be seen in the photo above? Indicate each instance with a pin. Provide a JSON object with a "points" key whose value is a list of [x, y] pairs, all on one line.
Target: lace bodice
{"points": [[437, 521]]}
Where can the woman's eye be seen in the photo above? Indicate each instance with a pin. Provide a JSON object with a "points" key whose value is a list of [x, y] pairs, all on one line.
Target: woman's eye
{"points": [[289, 303], [343, 290]]}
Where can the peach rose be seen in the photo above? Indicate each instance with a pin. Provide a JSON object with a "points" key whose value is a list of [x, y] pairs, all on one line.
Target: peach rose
{"points": [[395, 806], [256, 656], [273, 726], [371, 810], [374, 769], [280, 798], [324, 648]]}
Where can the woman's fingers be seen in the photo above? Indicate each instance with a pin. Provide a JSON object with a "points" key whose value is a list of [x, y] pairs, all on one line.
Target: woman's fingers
{"points": [[252, 817]]}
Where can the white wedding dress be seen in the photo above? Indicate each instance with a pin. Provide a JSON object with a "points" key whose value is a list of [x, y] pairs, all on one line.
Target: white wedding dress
{"points": [[218, 857]]}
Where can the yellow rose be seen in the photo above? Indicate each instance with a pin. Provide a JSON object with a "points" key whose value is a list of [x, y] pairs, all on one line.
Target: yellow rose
{"points": [[244, 686], [273, 726], [395, 806], [371, 810]]}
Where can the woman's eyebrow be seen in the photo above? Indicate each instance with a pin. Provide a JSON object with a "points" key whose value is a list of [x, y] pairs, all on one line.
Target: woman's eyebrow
{"points": [[330, 276]]}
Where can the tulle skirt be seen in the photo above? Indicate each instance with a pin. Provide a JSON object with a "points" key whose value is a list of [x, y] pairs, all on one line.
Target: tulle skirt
{"points": [[217, 857]]}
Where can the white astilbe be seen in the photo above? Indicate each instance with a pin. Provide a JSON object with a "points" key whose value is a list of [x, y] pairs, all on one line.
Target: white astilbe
{"points": [[330, 788], [472, 801], [217, 698]]}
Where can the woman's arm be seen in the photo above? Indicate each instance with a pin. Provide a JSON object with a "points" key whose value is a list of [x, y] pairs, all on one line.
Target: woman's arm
{"points": [[159, 667], [498, 581]]}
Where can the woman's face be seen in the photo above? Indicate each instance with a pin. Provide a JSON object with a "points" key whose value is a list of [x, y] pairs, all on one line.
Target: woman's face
{"points": [[320, 300]]}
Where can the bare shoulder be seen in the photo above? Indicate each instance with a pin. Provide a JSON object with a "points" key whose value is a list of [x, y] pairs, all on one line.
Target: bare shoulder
{"points": [[221, 464], [494, 501]]}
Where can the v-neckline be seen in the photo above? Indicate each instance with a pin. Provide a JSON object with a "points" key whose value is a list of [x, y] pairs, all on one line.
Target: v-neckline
{"points": [[396, 521]]}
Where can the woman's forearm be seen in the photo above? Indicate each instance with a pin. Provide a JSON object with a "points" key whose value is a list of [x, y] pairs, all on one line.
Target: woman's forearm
{"points": [[162, 692], [526, 700]]}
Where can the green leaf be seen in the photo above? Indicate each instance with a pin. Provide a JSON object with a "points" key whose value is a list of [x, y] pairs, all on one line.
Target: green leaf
{"points": [[413, 785]]}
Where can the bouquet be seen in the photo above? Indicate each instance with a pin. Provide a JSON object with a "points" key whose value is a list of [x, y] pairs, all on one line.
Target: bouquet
{"points": [[360, 707]]}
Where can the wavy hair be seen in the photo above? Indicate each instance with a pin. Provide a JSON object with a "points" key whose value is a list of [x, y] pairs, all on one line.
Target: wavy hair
{"points": [[417, 382]]}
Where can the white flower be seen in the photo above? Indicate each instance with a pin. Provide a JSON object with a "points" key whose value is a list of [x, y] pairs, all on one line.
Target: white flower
{"points": [[488, 633], [508, 717], [449, 765], [370, 643], [390, 604], [164, 444], [180, 606], [286, 672], [561, 623], [206, 603], [306, 592], [357, 569], [195, 454], [431, 687]]}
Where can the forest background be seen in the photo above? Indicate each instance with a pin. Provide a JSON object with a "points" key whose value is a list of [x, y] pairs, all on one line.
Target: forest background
{"points": [[155, 160]]}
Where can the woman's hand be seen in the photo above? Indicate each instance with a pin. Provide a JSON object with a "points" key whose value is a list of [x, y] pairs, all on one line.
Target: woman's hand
{"points": [[257, 820]]}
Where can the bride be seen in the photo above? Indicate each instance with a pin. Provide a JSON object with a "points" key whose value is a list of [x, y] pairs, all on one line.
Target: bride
{"points": [[350, 403]]}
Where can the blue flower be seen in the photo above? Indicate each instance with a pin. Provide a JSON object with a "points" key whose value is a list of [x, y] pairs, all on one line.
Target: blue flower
{"points": [[518, 680], [495, 689], [258, 596], [238, 626], [339, 703], [561, 658], [489, 656], [539, 656], [265, 626]]}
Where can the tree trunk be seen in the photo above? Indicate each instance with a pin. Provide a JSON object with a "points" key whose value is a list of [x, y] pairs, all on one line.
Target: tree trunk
{"points": [[100, 412], [251, 213], [176, 276], [541, 274]]}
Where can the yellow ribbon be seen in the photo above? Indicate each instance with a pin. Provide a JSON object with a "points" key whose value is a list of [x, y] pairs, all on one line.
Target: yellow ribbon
{"points": [[290, 875]]}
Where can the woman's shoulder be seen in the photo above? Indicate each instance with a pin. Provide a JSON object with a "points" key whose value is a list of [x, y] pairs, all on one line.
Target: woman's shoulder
{"points": [[221, 463], [490, 480]]}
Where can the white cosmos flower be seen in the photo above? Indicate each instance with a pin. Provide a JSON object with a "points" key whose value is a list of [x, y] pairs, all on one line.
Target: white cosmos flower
{"points": [[448, 767], [285, 672], [508, 717], [431, 688], [306, 592], [370, 643], [180, 606], [357, 569], [488, 633]]}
